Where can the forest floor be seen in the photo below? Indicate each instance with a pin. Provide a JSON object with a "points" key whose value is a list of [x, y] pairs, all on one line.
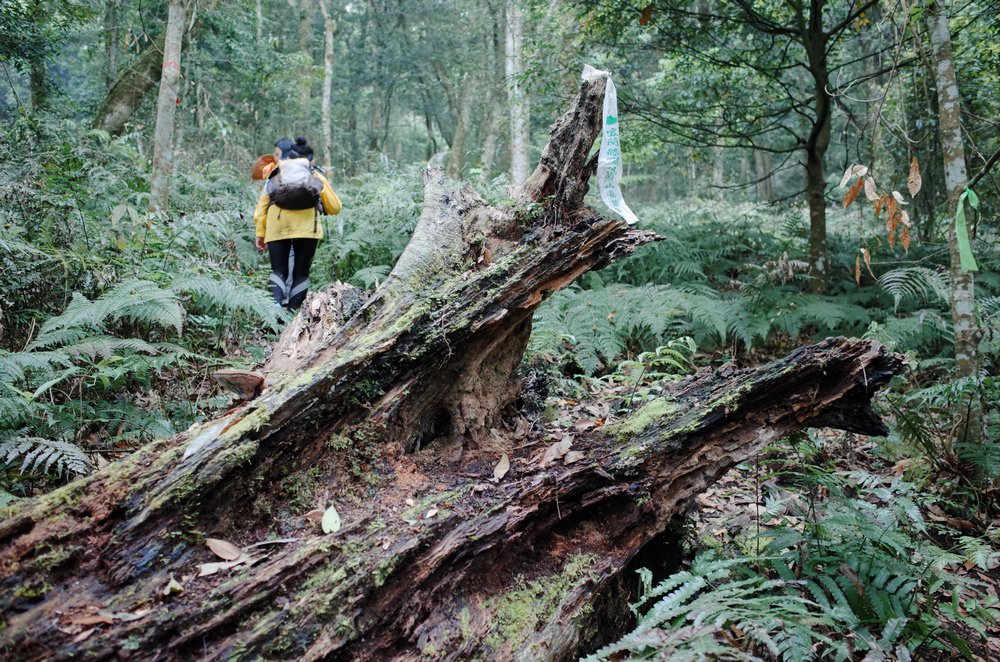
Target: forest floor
{"points": [[737, 511]]}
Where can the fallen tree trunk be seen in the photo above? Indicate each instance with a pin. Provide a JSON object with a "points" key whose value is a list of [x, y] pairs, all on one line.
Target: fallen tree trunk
{"points": [[394, 406]]}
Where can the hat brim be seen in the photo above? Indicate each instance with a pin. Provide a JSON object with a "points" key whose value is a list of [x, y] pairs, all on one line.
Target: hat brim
{"points": [[260, 167]]}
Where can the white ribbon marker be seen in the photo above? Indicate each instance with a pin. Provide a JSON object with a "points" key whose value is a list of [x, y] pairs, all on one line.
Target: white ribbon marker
{"points": [[609, 160]]}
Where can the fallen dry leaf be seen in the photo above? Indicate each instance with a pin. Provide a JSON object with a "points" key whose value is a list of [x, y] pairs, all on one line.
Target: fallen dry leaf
{"points": [[503, 466], [92, 619], [223, 549], [331, 520], [83, 636], [126, 616], [206, 569], [572, 456], [314, 515], [173, 587], [557, 450], [431, 513]]}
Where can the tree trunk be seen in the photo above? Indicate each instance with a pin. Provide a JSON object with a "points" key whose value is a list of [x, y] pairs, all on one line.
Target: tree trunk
{"points": [[718, 173], [259, 22], [395, 406], [38, 83], [955, 177], [815, 42], [764, 175], [131, 89], [166, 107], [112, 37], [459, 102], [329, 28], [305, 46], [520, 114]]}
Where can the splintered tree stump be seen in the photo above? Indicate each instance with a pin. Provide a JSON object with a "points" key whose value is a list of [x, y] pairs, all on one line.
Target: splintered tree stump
{"points": [[394, 406]]}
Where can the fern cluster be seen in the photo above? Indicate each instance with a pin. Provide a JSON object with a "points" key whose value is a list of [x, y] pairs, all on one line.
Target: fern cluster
{"points": [[863, 563]]}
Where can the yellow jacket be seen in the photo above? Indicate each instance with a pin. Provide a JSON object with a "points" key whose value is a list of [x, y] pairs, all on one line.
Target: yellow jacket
{"points": [[275, 223]]}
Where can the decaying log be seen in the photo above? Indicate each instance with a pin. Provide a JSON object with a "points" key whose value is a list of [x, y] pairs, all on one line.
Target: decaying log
{"points": [[391, 406]]}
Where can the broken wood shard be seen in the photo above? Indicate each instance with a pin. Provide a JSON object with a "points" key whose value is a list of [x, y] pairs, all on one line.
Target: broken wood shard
{"points": [[430, 553]]}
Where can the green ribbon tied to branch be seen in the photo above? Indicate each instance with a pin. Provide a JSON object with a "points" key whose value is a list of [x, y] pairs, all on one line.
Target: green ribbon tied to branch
{"points": [[962, 230]]}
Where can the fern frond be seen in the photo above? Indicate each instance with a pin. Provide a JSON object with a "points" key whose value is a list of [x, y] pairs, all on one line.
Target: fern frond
{"points": [[919, 284], [139, 301], [45, 456], [228, 295]]}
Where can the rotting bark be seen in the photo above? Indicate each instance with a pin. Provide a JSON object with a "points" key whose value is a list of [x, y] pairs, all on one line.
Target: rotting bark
{"points": [[433, 560]]}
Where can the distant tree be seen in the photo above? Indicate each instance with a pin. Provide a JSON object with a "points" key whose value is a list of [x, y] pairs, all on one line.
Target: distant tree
{"points": [[517, 96], [166, 106], [745, 75], [963, 304]]}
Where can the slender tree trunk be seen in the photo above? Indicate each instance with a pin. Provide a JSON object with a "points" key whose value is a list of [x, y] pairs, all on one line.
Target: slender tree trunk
{"points": [[490, 140], [36, 79], [305, 45], [494, 83], [112, 37], [329, 28], [458, 104], [765, 180], [718, 173], [259, 23], [955, 177], [520, 113], [745, 176], [166, 106], [816, 145], [376, 120]]}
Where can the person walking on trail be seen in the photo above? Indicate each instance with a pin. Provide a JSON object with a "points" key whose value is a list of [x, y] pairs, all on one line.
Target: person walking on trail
{"points": [[287, 219]]}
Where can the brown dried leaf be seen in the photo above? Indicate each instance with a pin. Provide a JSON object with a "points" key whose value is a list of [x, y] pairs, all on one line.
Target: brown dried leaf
{"points": [[206, 569], [314, 515], [83, 636], [904, 218], [572, 456], [852, 193], [891, 205], [878, 205], [127, 616], [870, 193], [557, 451], [914, 182], [867, 255], [904, 238], [857, 270], [503, 466], [223, 549], [93, 619], [647, 14], [487, 256]]}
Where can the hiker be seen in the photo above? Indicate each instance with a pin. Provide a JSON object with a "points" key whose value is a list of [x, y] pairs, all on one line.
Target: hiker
{"points": [[287, 219]]}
